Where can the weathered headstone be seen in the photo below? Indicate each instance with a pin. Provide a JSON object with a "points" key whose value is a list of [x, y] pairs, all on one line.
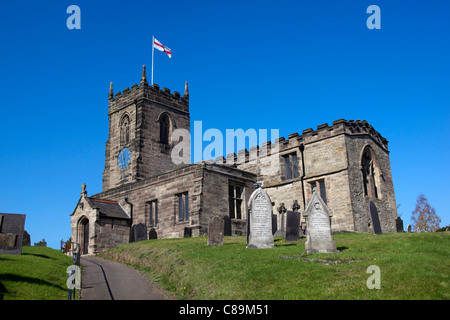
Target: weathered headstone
{"points": [[152, 234], [187, 232], [281, 211], [26, 241], [227, 226], [399, 224], [374, 218], [11, 233], [409, 228], [215, 231], [139, 232], [274, 224], [260, 220], [303, 228], [292, 226], [318, 226]]}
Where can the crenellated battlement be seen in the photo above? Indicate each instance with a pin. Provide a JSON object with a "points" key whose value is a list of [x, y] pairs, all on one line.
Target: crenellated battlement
{"points": [[308, 136], [152, 93]]}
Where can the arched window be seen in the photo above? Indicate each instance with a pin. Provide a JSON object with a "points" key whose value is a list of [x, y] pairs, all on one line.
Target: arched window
{"points": [[369, 172], [125, 131], [164, 129]]}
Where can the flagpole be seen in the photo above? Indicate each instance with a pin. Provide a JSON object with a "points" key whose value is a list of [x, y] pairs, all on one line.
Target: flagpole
{"points": [[153, 53]]}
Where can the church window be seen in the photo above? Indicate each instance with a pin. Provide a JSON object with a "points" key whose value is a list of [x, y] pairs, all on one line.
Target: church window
{"points": [[153, 213], [291, 166], [320, 188], [235, 192], [164, 125], [183, 207], [368, 169], [125, 131]]}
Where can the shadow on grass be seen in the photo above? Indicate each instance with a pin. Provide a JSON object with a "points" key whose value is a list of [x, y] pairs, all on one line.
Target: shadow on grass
{"points": [[16, 278], [37, 255], [2, 289], [285, 244]]}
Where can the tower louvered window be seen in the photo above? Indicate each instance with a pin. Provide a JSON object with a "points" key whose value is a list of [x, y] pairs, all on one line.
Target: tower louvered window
{"points": [[125, 131]]}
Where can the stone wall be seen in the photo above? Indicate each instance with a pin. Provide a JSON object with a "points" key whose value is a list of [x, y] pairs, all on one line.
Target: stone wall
{"points": [[331, 154], [206, 186], [216, 181], [385, 203], [110, 233], [163, 188]]}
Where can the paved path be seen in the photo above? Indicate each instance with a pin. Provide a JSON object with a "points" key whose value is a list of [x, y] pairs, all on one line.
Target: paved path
{"points": [[107, 280]]}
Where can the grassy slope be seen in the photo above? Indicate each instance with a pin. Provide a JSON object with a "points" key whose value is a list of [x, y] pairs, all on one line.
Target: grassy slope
{"points": [[413, 266], [38, 274]]}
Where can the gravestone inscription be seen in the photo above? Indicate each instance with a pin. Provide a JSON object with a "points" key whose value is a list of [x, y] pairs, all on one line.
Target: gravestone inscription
{"points": [[215, 231], [318, 226], [260, 220]]}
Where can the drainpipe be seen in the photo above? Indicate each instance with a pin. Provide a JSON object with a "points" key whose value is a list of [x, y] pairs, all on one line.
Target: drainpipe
{"points": [[302, 148]]}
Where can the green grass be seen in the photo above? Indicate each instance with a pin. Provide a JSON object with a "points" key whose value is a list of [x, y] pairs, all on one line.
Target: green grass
{"points": [[412, 265], [39, 273]]}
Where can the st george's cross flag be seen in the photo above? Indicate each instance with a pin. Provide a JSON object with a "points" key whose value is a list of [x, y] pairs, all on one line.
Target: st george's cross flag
{"points": [[160, 47]]}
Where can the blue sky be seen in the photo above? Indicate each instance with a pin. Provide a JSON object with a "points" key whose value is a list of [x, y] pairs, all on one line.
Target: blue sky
{"points": [[287, 65]]}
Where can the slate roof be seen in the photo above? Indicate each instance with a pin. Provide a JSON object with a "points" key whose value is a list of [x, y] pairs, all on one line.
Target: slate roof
{"points": [[110, 208]]}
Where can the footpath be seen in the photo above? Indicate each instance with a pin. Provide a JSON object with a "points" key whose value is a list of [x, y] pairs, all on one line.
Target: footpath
{"points": [[107, 280]]}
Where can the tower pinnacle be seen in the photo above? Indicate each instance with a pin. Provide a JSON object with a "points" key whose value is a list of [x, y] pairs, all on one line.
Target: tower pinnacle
{"points": [[111, 92], [186, 89], [144, 77]]}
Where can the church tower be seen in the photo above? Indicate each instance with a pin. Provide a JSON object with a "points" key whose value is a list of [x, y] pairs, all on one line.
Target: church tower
{"points": [[141, 122]]}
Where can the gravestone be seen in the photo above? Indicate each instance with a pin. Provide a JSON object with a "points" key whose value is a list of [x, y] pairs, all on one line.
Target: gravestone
{"points": [[374, 218], [187, 232], [318, 226], [11, 233], [260, 220], [303, 228], [152, 234], [215, 231], [281, 211], [274, 224], [227, 226], [292, 226], [139, 232], [399, 224], [409, 228], [26, 242]]}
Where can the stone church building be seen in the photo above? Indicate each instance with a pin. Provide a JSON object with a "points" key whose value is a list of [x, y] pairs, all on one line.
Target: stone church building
{"points": [[347, 162]]}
